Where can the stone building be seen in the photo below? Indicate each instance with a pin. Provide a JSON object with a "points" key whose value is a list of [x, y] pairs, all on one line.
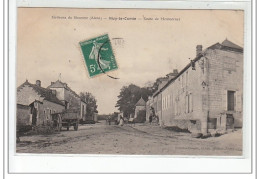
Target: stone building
{"points": [[207, 95], [157, 96], [35, 104], [70, 99], [149, 106], [139, 106]]}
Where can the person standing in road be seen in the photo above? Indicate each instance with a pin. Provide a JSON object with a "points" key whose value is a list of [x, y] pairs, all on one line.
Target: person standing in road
{"points": [[109, 120]]}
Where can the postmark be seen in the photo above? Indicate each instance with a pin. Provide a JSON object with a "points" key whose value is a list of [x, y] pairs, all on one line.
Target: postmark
{"points": [[98, 55]]}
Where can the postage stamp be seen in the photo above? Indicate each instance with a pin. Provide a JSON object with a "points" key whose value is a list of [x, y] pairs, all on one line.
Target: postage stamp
{"points": [[98, 55]]}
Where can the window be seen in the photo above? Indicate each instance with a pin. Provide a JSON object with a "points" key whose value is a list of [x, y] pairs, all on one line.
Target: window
{"points": [[163, 103], [188, 99], [173, 100], [187, 78], [167, 104], [175, 108], [178, 108], [187, 103], [231, 100], [168, 101], [164, 100], [182, 80], [190, 103]]}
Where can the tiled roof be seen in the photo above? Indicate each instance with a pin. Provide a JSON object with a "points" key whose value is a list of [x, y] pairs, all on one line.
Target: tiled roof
{"points": [[59, 84], [225, 45], [141, 102], [44, 92]]}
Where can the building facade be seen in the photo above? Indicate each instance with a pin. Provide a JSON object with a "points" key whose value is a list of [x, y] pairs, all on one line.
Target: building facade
{"points": [[35, 104], [140, 106], [70, 99], [207, 95], [149, 106], [157, 99]]}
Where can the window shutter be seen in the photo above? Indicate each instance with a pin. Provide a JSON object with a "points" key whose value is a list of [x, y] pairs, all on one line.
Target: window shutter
{"points": [[165, 102], [224, 100], [162, 103], [238, 101], [173, 100], [186, 104], [191, 103], [175, 108]]}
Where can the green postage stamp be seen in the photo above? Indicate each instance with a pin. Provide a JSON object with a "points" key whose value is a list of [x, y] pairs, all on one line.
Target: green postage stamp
{"points": [[98, 55]]}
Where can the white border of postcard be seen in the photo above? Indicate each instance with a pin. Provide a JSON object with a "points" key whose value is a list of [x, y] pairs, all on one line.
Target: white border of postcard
{"points": [[54, 163]]}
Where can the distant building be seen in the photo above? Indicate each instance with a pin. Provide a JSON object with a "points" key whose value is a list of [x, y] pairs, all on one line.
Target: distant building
{"points": [[157, 99], [95, 116], [207, 95], [70, 99], [139, 106], [149, 106], [35, 104]]}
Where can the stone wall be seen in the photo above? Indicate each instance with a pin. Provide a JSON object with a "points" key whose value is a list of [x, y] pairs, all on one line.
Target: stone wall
{"points": [[48, 108], [27, 95], [23, 115], [201, 93], [139, 108], [74, 101], [183, 98], [225, 74], [193, 126]]}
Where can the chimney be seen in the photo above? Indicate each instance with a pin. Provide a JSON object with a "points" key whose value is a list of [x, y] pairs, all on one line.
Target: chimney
{"points": [[162, 83], [198, 49], [38, 83], [175, 72], [52, 83]]}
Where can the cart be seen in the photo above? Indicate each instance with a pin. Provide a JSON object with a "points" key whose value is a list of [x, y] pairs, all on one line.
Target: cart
{"points": [[66, 119], [70, 119]]}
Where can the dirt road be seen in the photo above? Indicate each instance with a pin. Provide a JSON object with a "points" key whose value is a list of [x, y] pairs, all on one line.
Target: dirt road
{"points": [[141, 139]]}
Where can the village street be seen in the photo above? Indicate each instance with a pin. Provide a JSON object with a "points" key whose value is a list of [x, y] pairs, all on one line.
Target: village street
{"points": [[136, 139]]}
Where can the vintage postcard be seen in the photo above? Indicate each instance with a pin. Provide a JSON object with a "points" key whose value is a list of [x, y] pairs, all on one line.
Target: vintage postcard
{"points": [[130, 81]]}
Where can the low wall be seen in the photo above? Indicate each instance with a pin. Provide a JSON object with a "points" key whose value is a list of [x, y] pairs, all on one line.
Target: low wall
{"points": [[190, 125], [23, 115]]}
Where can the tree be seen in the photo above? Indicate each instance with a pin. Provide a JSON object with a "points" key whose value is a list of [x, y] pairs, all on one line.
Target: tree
{"points": [[91, 103], [128, 97], [156, 83]]}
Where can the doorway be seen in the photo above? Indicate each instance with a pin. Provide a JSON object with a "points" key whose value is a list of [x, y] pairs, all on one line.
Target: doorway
{"points": [[230, 100], [34, 114]]}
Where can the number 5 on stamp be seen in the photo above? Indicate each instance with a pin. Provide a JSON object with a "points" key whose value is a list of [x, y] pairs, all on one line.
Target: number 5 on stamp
{"points": [[98, 55]]}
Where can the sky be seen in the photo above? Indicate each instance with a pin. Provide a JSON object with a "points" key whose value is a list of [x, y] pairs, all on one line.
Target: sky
{"points": [[47, 46]]}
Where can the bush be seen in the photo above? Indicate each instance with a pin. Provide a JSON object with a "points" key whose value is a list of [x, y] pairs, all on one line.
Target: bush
{"points": [[44, 129], [23, 130], [87, 121], [176, 129]]}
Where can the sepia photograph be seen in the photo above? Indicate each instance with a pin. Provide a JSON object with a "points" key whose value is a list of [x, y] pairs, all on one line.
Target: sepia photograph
{"points": [[129, 81]]}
